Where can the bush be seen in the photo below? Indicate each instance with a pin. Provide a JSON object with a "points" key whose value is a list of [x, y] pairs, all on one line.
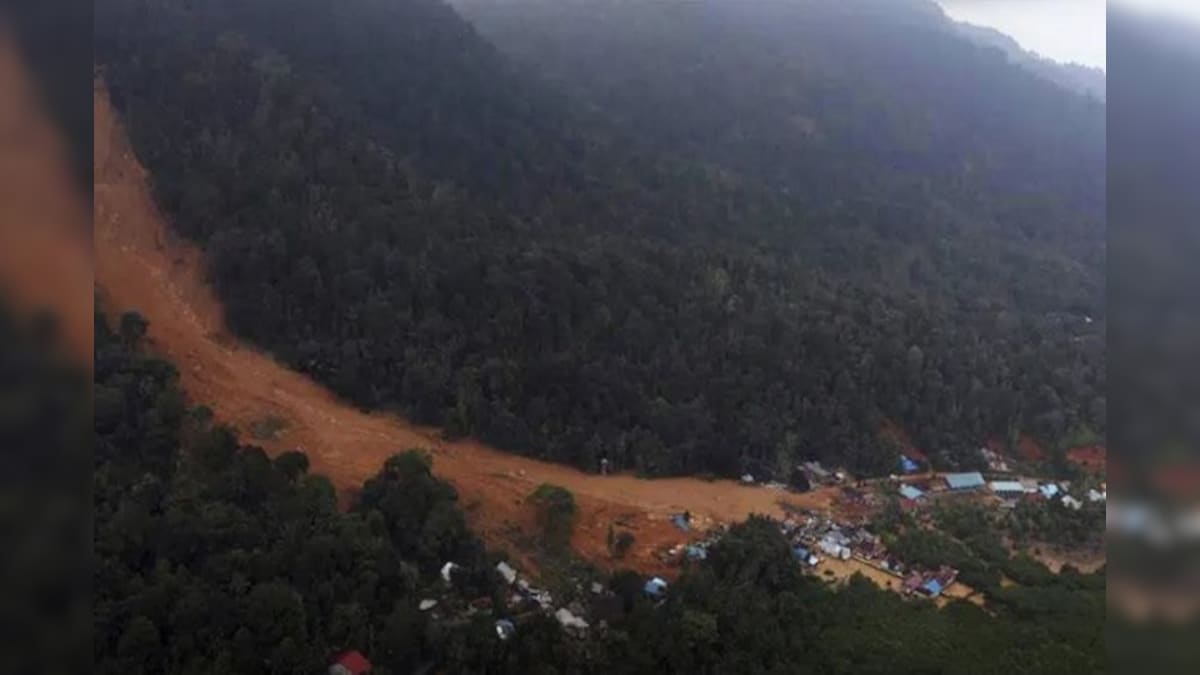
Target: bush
{"points": [[556, 513]]}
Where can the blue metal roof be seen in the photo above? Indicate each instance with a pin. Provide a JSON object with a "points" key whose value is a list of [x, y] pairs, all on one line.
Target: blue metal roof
{"points": [[910, 492], [933, 586], [964, 481], [655, 586]]}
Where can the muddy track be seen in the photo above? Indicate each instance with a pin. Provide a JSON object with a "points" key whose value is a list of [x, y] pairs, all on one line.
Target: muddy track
{"points": [[141, 266]]}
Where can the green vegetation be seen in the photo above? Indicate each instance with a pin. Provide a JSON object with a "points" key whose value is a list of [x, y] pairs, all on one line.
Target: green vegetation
{"points": [[556, 511], [671, 272], [212, 557], [1054, 523]]}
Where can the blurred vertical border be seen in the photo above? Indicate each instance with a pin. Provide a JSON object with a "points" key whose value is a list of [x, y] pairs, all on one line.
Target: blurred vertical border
{"points": [[46, 328], [1153, 531]]}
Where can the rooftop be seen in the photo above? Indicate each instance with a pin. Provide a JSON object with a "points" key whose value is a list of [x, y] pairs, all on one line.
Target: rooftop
{"points": [[964, 481]]}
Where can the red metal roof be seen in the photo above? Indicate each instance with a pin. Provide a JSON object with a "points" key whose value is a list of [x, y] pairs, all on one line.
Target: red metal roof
{"points": [[354, 662]]}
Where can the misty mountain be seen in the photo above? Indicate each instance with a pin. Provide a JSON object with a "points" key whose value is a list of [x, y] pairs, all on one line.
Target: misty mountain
{"points": [[1073, 76]]}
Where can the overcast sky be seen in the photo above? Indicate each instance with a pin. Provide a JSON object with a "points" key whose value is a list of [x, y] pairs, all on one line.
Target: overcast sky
{"points": [[1064, 30]]}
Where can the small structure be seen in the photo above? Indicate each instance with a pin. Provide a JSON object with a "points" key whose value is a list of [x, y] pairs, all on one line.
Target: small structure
{"points": [[933, 588], [597, 588], [1007, 488], [910, 492], [1071, 502], [1049, 490], [505, 629], [682, 521], [506, 571], [964, 481], [656, 587], [427, 604], [568, 620], [832, 548], [697, 552], [1095, 495], [350, 663], [816, 472], [448, 571], [805, 556], [747, 479], [907, 465]]}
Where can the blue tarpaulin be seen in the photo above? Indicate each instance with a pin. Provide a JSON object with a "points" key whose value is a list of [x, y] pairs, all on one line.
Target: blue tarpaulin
{"points": [[907, 465], [933, 587], [655, 587], [679, 521]]}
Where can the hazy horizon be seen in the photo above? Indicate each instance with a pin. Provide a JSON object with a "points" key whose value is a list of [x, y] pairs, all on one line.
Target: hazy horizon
{"points": [[1068, 31]]}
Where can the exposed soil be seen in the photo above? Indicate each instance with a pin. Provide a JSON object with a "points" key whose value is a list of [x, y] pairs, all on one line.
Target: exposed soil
{"points": [[45, 243], [141, 266]]}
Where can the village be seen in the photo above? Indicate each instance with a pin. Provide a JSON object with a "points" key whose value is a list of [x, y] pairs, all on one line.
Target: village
{"points": [[832, 544], [838, 543]]}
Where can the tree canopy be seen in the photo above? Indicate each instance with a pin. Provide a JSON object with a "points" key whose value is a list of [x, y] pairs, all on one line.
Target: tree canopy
{"points": [[573, 269]]}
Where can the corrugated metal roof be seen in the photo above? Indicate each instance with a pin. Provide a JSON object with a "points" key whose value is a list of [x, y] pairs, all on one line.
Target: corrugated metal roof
{"points": [[1007, 486], [963, 481], [910, 492]]}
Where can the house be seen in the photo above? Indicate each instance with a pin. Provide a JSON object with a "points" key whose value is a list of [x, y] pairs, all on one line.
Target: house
{"points": [[1007, 487], [805, 556], [1048, 490], [506, 571], [350, 663], [696, 552], [831, 547], [907, 465], [748, 479], [1029, 485], [505, 629], [816, 472], [910, 492], [427, 604], [964, 481], [932, 588], [912, 582], [655, 587], [448, 570], [1095, 495], [568, 620], [682, 521], [1072, 503]]}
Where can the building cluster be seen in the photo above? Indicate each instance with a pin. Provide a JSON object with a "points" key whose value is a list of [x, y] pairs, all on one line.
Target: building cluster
{"points": [[929, 583]]}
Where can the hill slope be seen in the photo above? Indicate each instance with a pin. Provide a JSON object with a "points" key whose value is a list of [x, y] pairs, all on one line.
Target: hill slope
{"points": [[389, 206]]}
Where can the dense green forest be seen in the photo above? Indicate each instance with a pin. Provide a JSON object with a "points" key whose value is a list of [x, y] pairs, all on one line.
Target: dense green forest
{"points": [[212, 557], [391, 205]]}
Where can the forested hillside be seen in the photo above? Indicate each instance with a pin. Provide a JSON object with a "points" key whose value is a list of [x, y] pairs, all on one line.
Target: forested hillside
{"points": [[390, 205], [210, 557]]}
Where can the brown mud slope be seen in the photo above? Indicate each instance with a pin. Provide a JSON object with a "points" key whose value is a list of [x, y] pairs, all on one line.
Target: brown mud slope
{"points": [[140, 266], [45, 233]]}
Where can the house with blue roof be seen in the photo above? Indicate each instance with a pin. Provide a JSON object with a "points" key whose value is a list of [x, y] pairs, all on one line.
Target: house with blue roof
{"points": [[910, 492], [932, 588], [964, 481], [656, 587]]}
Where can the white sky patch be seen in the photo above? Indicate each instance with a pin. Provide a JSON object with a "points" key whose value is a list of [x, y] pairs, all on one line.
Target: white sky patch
{"points": [[1070, 31]]}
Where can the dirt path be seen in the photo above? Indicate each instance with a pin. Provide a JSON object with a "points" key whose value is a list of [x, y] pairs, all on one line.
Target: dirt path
{"points": [[140, 266]]}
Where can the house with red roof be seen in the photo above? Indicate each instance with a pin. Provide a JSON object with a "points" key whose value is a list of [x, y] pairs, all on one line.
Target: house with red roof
{"points": [[350, 663]]}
